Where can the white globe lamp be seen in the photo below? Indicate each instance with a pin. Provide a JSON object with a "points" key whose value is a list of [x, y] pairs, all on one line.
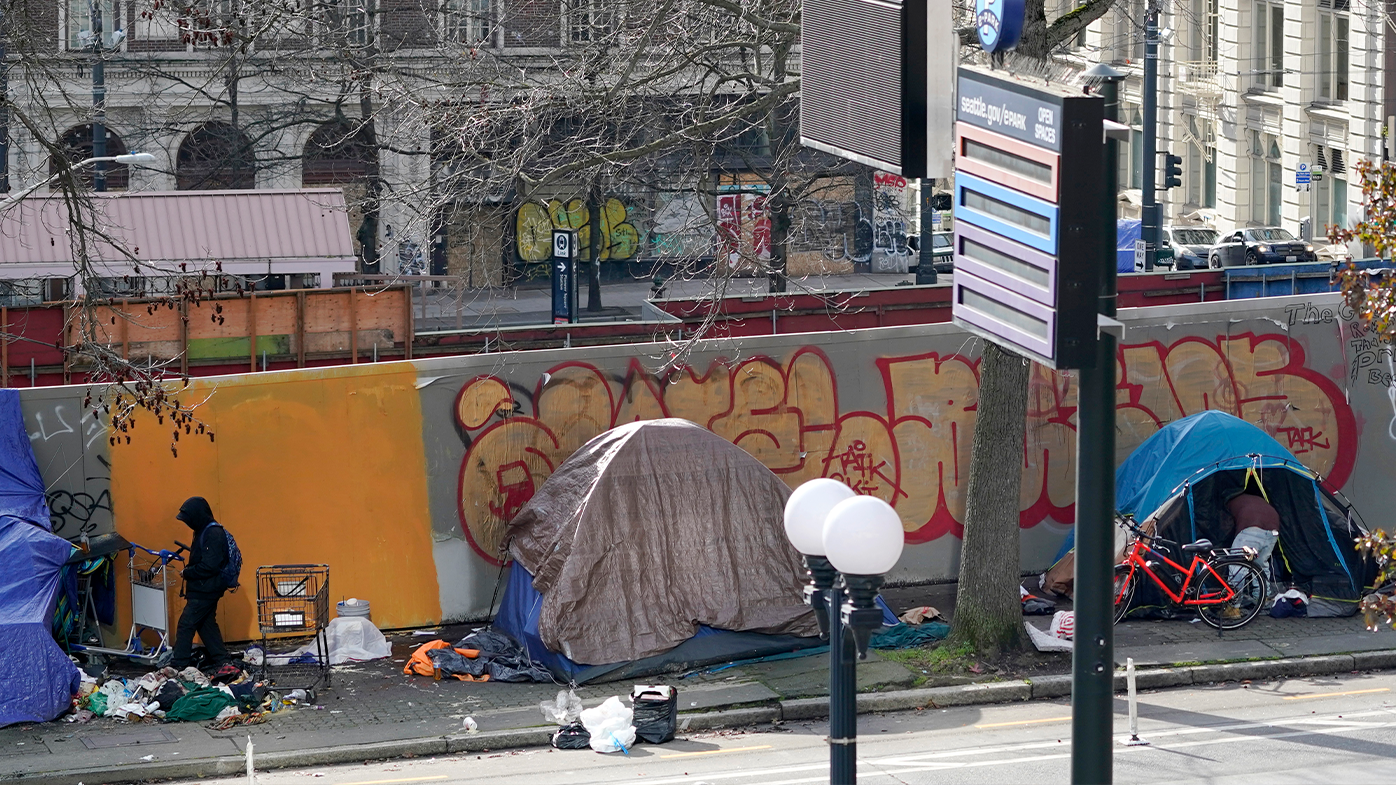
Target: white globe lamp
{"points": [[863, 536], [807, 509]]}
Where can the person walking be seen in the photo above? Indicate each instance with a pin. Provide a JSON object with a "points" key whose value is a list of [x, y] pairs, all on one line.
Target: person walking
{"points": [[203, 586]]}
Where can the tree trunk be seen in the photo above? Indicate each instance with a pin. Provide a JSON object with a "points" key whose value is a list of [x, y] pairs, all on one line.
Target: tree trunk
{"points": [[988, 612], [594, 250]]}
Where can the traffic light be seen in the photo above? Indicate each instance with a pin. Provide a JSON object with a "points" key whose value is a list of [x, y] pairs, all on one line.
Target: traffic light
{"points": [[1172, 170]]}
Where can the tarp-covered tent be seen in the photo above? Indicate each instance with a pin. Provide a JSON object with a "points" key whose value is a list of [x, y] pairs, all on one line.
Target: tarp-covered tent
{"points": [[37, 680], [656, 546], [1178, 482]]}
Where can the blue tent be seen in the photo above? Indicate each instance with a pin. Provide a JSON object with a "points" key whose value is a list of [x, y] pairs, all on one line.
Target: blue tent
{"points": [[37, 680], [1183, 476], [1202, 442]]}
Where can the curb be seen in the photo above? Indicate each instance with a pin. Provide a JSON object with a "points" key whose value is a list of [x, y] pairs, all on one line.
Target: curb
{"points": [[1037, 688]]}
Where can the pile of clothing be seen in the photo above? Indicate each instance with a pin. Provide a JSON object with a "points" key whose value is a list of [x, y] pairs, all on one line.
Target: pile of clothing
{"points": [[229, 698], [483, 655]]}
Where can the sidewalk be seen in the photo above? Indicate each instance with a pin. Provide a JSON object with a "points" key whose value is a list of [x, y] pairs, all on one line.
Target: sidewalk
{"points": [[531, 303], [374, 711]]}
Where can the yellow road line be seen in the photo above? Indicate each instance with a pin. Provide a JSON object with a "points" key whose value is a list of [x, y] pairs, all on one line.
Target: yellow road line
{"points": [[1022, 722], [1335, 694], [404, 780], [716, 752]]}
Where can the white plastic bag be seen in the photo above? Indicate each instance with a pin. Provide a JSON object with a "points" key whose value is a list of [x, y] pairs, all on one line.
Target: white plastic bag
{"points": [[117, 694], [347, 639], [563, 711], [353, 638], [611, 726]]}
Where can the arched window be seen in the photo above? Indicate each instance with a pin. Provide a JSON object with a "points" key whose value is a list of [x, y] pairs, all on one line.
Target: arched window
{"points": [[215, 157], [77, 146], [338, 153]]}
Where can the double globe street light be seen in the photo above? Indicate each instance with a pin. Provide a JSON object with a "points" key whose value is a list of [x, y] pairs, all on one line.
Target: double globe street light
{"points": [[849, 542]]}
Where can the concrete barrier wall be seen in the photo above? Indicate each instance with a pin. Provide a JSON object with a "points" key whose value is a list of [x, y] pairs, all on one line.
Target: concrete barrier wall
{"points": [[401, 476]]}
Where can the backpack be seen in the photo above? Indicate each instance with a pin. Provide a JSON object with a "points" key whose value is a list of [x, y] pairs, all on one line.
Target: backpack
{"points": [[232, 568]]}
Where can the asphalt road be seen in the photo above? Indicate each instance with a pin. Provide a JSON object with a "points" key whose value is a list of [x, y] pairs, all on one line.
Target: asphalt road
{"points": [[1323, 730]]}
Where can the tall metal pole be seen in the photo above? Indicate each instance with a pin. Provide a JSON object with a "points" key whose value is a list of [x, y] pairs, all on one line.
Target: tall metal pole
{"points": [[4, 112], [1150, 212], [99, 101], [1093, 658], [843, 691], [928, 256]]}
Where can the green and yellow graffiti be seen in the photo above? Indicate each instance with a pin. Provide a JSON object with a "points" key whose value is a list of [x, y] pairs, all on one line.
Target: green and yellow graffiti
{"points": [[536, 221]]}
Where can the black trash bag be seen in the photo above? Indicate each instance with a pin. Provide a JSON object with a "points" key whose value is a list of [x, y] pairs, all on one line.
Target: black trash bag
{"points": [[488, 641], [513, 669], [656, 716], [451, 662], [572, 737]]}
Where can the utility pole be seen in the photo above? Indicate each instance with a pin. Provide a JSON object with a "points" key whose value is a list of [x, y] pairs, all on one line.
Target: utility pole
{"points": [[4, 111], [927, 260], [99, 101], [1093, 658], [1150, 214]]}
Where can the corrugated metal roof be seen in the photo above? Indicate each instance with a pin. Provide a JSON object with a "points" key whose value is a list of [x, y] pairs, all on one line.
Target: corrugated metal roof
{"points": [[168, 227]]}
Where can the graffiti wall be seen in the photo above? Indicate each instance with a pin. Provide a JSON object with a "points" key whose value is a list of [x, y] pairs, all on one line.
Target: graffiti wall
{"points": [[403, 476], [895, 202], [535, 222]]}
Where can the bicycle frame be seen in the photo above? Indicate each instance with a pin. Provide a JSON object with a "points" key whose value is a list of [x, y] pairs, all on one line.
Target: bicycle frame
{"points": [[1197, 569]]}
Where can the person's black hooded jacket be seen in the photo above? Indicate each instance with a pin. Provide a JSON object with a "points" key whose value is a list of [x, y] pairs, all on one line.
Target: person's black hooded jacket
{"points": [[207, 555]]}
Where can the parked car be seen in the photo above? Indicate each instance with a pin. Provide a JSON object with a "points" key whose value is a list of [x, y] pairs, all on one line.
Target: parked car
{"points": [[1265, 245], [1190, 245], [943, 251]]}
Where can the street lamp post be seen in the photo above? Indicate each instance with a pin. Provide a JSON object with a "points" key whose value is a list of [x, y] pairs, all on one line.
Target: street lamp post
{"points": [[849, 542], [138, 159]]}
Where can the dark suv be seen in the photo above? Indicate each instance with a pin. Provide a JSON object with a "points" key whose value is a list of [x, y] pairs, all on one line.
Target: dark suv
{"points": [[1266, 245]]}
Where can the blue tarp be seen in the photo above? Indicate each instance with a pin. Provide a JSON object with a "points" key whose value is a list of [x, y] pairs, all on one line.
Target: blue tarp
{"points": [[518, 617], [1127, 230], [37, 680], [1157, 468]]}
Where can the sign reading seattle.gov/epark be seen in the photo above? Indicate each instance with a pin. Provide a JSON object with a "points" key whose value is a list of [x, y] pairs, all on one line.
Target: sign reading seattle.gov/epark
{"points": [[1030, 232]]}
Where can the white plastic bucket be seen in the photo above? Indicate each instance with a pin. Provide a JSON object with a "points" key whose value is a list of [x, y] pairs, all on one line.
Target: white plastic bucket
{"points": [[351, 607]]}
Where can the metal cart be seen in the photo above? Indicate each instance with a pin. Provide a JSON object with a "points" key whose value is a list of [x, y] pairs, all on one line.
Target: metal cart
{"points": [[151, 584], [294, 599]]}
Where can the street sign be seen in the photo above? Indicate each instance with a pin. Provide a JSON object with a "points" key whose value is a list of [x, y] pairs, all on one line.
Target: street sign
{"points": [[564, 276], [1029, 237], [1139, 256], [562, 244], [1302, 175]]}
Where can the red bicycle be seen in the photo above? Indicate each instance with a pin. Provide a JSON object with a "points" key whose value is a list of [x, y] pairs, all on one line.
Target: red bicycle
{"points": [[1225, 587]]}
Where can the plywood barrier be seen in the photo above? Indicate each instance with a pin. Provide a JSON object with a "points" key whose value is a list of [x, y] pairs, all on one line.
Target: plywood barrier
{"points": [[301, 324]]}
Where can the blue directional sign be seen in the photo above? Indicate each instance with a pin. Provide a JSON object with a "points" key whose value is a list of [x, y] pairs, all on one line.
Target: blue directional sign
{"points": [[564, 276], [1029, 233]]}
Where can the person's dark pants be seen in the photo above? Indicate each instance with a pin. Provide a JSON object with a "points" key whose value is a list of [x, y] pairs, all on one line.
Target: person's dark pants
{"points": [[200, 615]]}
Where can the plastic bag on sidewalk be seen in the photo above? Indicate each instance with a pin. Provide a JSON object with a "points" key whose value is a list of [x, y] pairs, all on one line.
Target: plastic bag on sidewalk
{"points": [[656, 712], [563, 711], [572, 736], [610, 726]]}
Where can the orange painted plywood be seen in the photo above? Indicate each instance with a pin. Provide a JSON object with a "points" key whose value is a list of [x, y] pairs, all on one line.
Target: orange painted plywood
{"points": [[321, 466]]}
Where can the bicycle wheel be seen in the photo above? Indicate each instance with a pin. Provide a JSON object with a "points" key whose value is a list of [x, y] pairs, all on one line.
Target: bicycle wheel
{"points": [[1249, 584], [1123, 591]]}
